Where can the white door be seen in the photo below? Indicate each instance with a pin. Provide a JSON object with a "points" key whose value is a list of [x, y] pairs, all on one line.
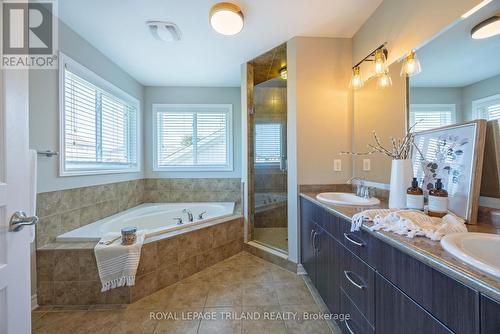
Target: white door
{"points": [[15, 300]]}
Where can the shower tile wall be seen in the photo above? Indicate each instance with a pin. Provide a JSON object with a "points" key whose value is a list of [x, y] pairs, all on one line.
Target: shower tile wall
{"points": [[65, 210]]}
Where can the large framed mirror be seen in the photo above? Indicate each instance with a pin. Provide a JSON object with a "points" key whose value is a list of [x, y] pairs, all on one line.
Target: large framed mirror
{"points": [[460, 82]]}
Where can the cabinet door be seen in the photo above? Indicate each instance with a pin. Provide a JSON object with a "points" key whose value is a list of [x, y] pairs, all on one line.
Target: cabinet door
{"points": [[329, 257], [490, 316], [396, 313], [307, 235]]}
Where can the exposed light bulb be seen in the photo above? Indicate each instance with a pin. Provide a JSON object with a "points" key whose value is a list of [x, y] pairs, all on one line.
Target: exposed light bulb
{"points": [[384, 80], [356, 80], [284, 73], [411, 65], [379, 62]]}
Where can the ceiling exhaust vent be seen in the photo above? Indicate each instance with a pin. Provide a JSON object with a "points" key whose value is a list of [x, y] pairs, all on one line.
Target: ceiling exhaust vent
{"points": [[164, 31]]}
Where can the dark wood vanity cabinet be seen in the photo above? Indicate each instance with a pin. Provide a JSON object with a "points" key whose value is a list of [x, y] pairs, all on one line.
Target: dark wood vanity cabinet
{"points": [[382, 288]]}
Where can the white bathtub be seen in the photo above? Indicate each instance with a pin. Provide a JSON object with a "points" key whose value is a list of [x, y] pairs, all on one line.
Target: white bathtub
{"points": [[156, 218]]}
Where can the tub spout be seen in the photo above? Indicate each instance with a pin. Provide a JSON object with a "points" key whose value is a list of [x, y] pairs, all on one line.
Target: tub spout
{"points": [[189, 213]]}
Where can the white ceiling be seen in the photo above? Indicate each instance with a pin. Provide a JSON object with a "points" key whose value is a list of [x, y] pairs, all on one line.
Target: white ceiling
{"points": [[454, 59], [203, 57]]}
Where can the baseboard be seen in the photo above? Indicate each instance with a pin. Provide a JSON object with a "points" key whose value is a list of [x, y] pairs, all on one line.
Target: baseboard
{"points": [[34, 302]]}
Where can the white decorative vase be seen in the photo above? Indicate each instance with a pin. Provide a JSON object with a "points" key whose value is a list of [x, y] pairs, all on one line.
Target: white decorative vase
{"points": [[401, 176]]}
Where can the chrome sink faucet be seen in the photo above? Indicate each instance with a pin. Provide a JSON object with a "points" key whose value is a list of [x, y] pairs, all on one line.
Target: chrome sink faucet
{"points": [[361, 190], [189, 213]]}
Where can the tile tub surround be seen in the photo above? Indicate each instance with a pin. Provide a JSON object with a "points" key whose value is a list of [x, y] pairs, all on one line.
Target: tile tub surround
{"points": [[65, 210], [70, 277], [242, 283], [193, 190], [425, 250]]}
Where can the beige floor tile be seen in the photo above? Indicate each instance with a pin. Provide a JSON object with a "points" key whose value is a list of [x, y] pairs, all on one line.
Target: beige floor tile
{"points": [[293, 293], [99, 322], [224, 295], [263, 320], [157, 301], [259, 294], [300, 325], [59, 322], [225, 321], [182, 321], [134, 321], [189, 295]]}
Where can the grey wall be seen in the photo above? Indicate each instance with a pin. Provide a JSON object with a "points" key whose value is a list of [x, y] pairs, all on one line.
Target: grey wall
{"points": [[44, 111], [434, 95], [187, 95], [479, 90]]}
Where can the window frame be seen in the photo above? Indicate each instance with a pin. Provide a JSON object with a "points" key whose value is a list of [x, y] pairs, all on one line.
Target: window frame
{"points": [[90, 76], [431, 107], [478, 103], [189, 108], [271, 165]]}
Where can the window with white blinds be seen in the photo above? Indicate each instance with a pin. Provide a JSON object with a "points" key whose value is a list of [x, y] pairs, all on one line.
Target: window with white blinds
{"points": [[487, 108], [99, 124], [430, 116], [268, 144], [193, 137]]}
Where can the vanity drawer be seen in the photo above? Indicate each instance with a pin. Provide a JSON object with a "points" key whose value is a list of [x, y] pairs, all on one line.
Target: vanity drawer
{"points": [[358, 282], [396, 313], [446, 299], [356, 322], [360, 242]]}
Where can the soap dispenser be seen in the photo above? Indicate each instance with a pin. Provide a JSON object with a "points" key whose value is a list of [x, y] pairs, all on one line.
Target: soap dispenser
{"points": [[415, 196], [438, 201]]}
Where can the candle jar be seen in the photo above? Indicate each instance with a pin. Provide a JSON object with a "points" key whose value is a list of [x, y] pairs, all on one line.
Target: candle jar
{"points": [[129, 235]]}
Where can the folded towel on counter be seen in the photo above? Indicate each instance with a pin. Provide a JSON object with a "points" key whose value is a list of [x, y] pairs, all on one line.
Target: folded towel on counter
{"points": [[409, 223], [117, 264]]}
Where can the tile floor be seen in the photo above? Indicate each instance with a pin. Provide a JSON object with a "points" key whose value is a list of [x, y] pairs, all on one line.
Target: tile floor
{"points": [[206, 302]]}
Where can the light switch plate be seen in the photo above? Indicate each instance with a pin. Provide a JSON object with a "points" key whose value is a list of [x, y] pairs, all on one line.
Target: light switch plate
{"points": [[366, 165], [337, 165]]}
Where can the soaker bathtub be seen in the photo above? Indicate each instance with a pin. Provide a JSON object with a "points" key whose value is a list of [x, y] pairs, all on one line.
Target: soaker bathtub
{"points": [[156, 218]]}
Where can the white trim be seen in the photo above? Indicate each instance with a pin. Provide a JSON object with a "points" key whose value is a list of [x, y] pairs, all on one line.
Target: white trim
{"points": [[229, 166], [482, 102], [92, 77]]}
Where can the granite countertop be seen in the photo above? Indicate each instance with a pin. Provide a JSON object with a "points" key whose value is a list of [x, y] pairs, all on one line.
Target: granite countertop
{"points": [[428, 251]]}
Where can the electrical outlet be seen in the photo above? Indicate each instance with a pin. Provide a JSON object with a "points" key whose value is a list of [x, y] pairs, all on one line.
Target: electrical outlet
{"points": [[337, 165], [366, 165]]}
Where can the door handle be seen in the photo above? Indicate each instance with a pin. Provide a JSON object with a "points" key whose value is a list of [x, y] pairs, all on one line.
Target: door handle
{"points": [[19, 219]]}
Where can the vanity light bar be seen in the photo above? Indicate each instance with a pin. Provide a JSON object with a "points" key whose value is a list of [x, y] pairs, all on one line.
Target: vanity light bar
{"points": [[379, 56]]}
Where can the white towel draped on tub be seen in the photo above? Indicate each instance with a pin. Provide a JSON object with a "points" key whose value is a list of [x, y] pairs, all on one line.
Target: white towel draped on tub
{"points": [[410, 223], [117, 264]]}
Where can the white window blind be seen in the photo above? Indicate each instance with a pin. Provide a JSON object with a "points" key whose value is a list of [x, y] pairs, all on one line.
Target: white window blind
{"points": [[430, 116], [268, 143], [193, 137], [99, 129], [487, 108]]}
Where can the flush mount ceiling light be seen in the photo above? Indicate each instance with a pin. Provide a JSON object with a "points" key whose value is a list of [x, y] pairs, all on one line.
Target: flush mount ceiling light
{"points": [[356, 80], [488, 28], [284, 73], [164, 31], [411, 65], [226, 18]]}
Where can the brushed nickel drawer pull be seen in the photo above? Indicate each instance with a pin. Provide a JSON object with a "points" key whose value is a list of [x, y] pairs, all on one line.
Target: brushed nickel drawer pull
{"points": [[357, 243], [347, 275], [311, 237], [348, 328]]}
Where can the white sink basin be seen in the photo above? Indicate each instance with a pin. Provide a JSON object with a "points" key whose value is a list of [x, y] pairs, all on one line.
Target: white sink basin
{"points": [[477, 249], [346, 199]]}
